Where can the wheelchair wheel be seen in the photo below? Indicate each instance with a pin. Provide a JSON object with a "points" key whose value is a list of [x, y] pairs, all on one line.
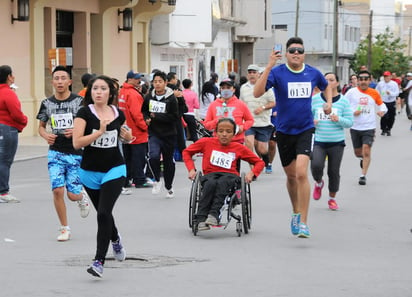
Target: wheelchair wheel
{"points": [[194, 201], [246, 202]]}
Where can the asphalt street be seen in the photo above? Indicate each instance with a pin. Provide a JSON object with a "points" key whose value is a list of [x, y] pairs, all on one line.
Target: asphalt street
{"points": [[364, 249]]}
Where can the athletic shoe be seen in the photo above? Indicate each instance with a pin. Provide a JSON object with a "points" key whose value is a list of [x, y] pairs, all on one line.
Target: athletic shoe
{"points": [[268, 169], [317, 190], [362, 180], [126, 191], [388, 133], [294, 223], [170, 193], [157, 186], [383, 132], [8, 198], [202, 226], [64, 233], [149, 181], [303, 231], [96, 268], [84, 205], [145, 185], [211, 221], [332, 204], [119, 252]]}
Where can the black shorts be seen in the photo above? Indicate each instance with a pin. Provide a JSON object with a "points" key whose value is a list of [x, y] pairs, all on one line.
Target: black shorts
{"points": [[273, 135], [289, 146], [360, 138]]}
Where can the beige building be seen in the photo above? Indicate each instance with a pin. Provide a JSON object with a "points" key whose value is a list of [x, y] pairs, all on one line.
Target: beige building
{"points": [[97, 36]]}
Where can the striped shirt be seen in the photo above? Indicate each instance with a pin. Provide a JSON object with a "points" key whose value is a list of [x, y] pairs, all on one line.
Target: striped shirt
{"points": [[328, 131]]}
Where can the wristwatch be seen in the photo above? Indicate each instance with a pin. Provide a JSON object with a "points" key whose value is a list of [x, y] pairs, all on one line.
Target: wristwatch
{"points": [[264, 107]]}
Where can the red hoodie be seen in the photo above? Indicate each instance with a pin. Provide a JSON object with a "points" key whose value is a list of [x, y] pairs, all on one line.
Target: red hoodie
{"points": [[130, 102], [10, 109], [234, 109]]}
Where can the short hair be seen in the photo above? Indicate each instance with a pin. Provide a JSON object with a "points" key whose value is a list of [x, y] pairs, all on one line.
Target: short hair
{"points": [[364, 72], [160, 74], [170, 76], [292, 40], [222, 120], [86, 77], [187, 83], [62, 68], [112, 87], [5, 71]]}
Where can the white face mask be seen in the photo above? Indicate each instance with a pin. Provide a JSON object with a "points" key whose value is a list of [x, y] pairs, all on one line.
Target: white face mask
{"points": [[226, 93]]}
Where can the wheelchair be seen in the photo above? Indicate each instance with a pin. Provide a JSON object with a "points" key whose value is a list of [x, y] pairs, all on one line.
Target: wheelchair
{"points": [[237, 205], [201, 130]]}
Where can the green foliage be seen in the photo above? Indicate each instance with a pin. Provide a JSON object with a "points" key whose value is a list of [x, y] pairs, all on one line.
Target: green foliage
{"points": [[387, 55]]}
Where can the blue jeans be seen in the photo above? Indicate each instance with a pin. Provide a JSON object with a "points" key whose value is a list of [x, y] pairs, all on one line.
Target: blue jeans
{"points": [[8, 147]]}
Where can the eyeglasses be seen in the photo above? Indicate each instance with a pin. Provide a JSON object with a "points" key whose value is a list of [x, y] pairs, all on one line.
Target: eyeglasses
{"points": [[363, 78], [293, 50]]}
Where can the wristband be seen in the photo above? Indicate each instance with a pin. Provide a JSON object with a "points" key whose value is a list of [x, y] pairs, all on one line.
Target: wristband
{"points": [[264, 107]]}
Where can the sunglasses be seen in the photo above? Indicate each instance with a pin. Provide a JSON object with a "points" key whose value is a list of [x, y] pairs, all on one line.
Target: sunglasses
{"points": [[363, 78], [293, 50]]}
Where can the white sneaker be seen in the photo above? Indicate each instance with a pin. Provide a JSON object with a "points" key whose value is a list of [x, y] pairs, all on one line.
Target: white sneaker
{"points": [[64, 233], [149, 181], [126, 191], [8, 198], [170, 193], [84, 205], [157, 186]]}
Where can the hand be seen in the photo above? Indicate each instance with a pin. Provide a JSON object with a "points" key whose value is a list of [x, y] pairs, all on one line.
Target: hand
{"points": [[334, 118], [327, 108], [126, 133], [178, 93], [249, 177], [192, 174], [68, 133], [50, 138], [380, 113], [357, 112], [103, 125]]}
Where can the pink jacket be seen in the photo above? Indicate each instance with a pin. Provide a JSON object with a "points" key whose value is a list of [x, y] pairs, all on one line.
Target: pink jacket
{"points": [[191, 99]]}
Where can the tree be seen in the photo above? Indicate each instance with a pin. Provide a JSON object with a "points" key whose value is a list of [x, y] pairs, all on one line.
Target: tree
{"points": [[387, 55]]}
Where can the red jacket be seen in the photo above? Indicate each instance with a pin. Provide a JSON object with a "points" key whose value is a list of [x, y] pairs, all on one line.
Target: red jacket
{"points": [[130, 102], [207, 145], [235, 109], [10, 109]]}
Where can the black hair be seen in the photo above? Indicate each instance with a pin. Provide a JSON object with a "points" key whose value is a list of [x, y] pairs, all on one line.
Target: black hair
{"points": [[62, 68], [214, 77], [86, 77], [187, 83], [221, 120], [208, 87], [336, 76], [112, 87], [170, 76], [160, 74], [292, 40], [5, 71], [364, 72]]}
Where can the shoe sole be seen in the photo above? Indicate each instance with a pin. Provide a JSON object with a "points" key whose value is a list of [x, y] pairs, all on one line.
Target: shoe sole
{"points": [[93, 272], [362, 183], [122, 259], [302, 235]]}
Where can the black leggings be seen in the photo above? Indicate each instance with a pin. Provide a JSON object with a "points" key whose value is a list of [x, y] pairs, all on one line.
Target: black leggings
{"points": [[103, 201]]}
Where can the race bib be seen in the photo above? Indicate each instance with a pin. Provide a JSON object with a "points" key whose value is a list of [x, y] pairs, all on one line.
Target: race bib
{"points": [[156, 106], [221, 159], [107, 140], [364, 109], [61, 121], [298, 90], [322, 116]]}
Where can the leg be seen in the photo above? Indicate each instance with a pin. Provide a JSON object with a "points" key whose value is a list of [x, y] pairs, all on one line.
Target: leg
{"points": [[106, 227], [224, 183], [168, 161], [191, 126], [208, 183], [8, 148], [302, 186], [317, 163], [154, 156], [366, 154], [139, 163], [335, 155]]}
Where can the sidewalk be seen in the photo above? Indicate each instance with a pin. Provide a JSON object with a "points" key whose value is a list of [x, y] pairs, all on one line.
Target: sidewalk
{"points": [[31, 147]]}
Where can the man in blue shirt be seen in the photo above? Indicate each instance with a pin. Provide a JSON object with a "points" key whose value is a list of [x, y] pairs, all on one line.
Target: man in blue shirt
{"points": [[293, 83]]}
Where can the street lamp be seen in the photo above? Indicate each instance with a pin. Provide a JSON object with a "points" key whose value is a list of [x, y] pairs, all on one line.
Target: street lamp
{"points": [[127, 19], [23, 11]]}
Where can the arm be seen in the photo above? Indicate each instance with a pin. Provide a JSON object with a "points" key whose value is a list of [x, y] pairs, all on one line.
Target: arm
{"points": [[328, 96], [260, 86], [210, 121], [49, 137]]}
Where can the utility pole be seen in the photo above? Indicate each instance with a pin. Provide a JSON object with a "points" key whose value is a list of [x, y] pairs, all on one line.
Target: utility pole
{"points": [[297, 19], [409, 42], [370, 41], [335, 47]]}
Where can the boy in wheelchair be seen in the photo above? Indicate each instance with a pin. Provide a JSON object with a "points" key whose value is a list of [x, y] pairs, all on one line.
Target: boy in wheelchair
{"points": [[221, 158]]}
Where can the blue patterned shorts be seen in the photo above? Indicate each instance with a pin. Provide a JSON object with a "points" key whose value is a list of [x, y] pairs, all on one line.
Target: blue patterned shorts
{"points": [[64, 171]]}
